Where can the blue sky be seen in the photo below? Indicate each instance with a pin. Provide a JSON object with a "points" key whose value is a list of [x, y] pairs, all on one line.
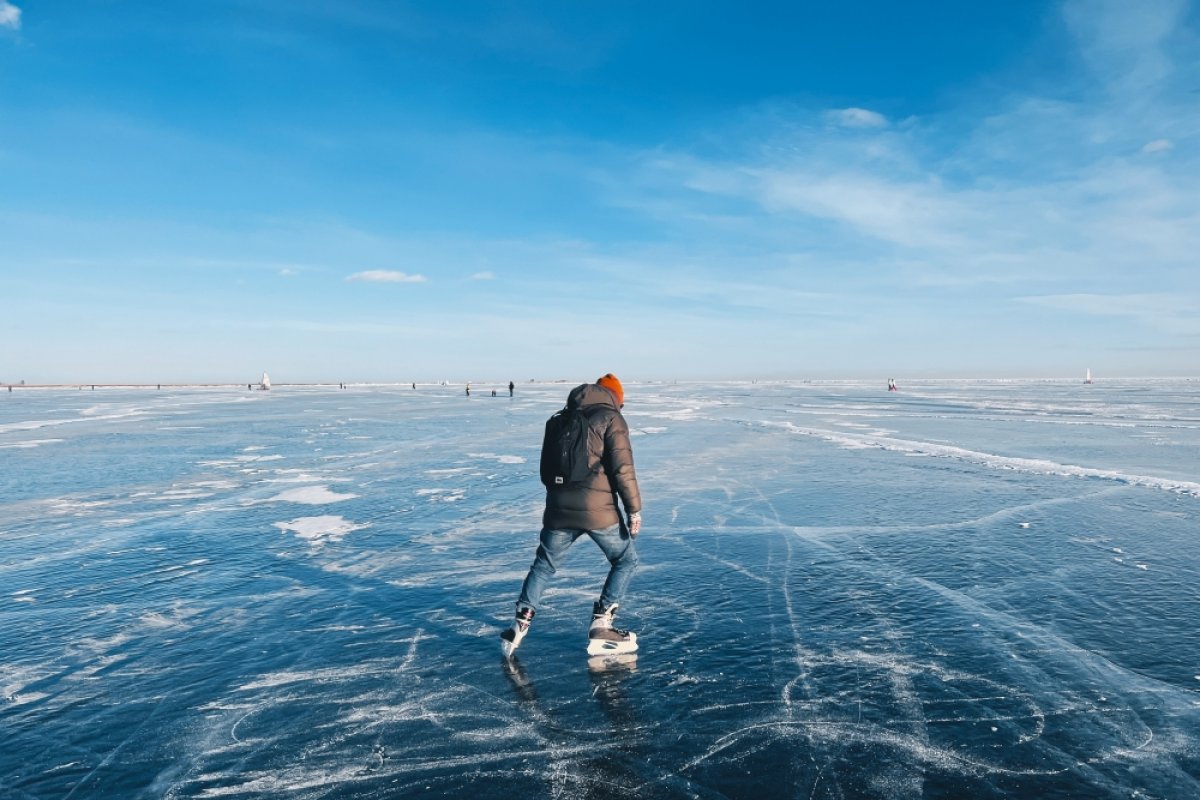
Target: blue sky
{"points": [[390, 191]]}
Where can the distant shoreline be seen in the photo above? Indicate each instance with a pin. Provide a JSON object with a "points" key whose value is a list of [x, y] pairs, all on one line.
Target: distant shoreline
{"points": [[255, 386], [158, 386], [481, 384]]}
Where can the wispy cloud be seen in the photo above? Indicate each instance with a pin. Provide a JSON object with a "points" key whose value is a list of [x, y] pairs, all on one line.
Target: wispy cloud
{"points": [[1019, 186], [1128, 46], [856, 118], [484, 276], [1168, 312], [10, 15], [386, 276]]}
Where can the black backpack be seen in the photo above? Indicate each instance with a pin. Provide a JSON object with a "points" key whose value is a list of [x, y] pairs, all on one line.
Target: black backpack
{"points": [[565, 449]]}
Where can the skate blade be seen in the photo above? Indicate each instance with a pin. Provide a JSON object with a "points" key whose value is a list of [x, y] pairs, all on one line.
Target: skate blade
{"points": [[604, 647], [507, 648]]}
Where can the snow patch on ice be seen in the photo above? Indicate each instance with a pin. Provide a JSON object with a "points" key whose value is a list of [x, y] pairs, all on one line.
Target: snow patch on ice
{"points": [[310, 496], [501, 458], [647, 430], [318, 530], [155, 619], [442, 495], [852, 441], [29, 444], [185, 493], [303, 476], [66, 505], [25, 697], [215, 485], [325, 675]]}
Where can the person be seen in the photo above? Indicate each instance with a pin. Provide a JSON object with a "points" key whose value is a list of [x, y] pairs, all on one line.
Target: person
{"points": [[511, 386], [590, 508]]}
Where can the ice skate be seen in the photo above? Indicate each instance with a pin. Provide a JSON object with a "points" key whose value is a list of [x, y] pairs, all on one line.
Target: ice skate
{"points": [[510, 639], [603, 638]]}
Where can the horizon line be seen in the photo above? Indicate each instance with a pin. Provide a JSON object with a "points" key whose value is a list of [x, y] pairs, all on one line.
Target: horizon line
{"points": [[256, 386]]}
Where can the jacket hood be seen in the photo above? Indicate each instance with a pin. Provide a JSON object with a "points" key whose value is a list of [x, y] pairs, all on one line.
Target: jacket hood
{"points": [[589, 394]]}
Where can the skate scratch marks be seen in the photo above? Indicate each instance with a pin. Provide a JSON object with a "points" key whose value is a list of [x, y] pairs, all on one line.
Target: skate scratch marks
{"points": [[411, 655]]}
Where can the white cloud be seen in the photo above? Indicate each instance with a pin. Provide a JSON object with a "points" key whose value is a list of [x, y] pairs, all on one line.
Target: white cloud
{"points": [[287, 272], [911, 214], [1039, 194], [856, 118], [386, 276], [484, 276], [1127, 45], [10, 15]]}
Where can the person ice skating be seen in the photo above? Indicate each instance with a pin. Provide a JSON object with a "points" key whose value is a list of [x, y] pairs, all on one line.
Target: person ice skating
{"points": [[511, 386], [590, 507]]}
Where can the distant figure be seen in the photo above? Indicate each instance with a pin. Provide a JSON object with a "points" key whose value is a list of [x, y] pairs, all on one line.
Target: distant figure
{"points": [[414, 384], [587, 507], [511, 386], [468, 389], [892, 385], [493, 392]]}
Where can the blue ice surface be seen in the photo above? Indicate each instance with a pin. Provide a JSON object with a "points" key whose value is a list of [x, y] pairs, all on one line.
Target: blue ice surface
{"points": [[956, 590]]}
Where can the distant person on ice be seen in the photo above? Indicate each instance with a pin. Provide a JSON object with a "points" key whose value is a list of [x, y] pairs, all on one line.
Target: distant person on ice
{"points": [[589, 507], [511, 386]]}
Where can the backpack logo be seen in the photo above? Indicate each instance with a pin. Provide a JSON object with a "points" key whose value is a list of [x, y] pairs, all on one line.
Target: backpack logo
{"points": [[565, 449]]}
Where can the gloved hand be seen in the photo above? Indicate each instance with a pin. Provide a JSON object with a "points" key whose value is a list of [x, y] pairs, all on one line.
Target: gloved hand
{"points": [[635, 524]]}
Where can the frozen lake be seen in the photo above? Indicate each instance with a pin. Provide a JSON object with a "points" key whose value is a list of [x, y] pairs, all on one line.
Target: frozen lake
{"points": [[956, 590]]}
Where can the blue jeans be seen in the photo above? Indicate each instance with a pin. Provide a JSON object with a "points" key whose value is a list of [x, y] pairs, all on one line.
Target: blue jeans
{"points": [[614, 541]]}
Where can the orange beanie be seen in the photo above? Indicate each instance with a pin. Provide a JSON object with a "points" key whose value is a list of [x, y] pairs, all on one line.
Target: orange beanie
{"points": [[611, 383]]}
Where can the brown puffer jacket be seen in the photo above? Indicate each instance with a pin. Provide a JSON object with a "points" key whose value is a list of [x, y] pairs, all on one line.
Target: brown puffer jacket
{"points": [[592, 505]]}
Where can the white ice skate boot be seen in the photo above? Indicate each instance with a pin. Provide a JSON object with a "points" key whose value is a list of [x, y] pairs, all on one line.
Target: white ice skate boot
{"points": [[603, 638], [510, 639]]}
